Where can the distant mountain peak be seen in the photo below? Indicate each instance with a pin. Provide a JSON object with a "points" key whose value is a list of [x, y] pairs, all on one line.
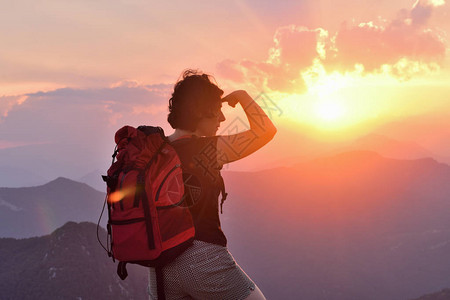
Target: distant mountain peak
{"points": [[77, 226], [360, 154], [390, 147], [375, 136], [441, 295], [60, 180], [353, 155], [66, 182], [371, 156], [73, 229], [46, 207], [66, 227]]}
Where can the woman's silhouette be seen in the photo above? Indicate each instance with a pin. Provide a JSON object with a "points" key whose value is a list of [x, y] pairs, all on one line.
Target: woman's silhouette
{"points": [[207, 270]]}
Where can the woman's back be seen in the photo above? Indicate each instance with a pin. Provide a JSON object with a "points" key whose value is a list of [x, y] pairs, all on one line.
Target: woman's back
{"points": [[203, 183]]}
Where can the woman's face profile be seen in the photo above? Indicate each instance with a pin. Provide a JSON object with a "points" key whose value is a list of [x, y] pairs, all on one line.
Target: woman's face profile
{"points": [[209, 124]]}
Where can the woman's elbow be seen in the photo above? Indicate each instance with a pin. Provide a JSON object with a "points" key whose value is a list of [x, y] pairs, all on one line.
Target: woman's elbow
{"points": [[265, 135], [270, 133]]}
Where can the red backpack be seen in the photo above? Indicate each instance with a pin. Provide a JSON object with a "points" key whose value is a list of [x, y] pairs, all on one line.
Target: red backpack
{"points": [[147, 222]]}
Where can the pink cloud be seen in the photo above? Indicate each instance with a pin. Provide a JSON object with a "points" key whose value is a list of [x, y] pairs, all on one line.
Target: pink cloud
{"points": [[7, 103], [374, 46], [231, 70], [295, 49], [403, 47], [126, 83]]}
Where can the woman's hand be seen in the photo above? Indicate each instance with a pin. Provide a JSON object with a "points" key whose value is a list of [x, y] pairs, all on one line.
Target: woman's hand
{"points": [[233, 98], [261, 131]]}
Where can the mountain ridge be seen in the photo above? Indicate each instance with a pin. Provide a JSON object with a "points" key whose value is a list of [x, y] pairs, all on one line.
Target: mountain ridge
{"points": [[355, 227], [66, 264], [38, 210]]}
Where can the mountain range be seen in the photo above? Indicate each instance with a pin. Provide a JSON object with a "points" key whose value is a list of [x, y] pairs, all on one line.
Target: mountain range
{"points": [[38, 210], [67, 264], [354, 225], [351, 226], [31, 166], [441, 295]]}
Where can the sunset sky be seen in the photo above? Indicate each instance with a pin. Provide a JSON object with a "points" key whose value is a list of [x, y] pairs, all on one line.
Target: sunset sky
{"points": [[73, 72]]}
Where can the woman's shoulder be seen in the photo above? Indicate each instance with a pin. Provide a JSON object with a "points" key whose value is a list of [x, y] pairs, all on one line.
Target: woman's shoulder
{"points": [[201, 149], [193, 139]]}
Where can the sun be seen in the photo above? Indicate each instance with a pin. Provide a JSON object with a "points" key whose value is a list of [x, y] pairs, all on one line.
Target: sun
{"points": [[329, 113], [329, 110], [326, 105], [337, 103], [344, 104], [329, 106]]}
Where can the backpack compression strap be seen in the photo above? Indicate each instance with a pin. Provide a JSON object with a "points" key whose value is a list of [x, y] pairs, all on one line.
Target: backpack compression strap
{"points": [[224, 194], [122, 270], [160, 283]]}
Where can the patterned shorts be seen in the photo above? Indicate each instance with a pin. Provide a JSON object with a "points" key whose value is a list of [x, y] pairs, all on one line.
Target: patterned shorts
{"points": [[203, 271]]}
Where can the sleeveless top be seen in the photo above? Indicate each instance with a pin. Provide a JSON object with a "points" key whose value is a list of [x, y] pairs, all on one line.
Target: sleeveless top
{"points": [[203, 184]]}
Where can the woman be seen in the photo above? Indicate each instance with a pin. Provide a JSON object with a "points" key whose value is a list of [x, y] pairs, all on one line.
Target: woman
{"points": [[207, 270]]}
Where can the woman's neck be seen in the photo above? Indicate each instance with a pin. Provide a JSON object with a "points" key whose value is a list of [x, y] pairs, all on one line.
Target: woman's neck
{"points": [[178, 133]]}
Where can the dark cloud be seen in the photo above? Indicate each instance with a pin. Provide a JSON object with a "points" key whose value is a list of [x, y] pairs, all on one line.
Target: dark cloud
{"points": [[88, 113], [67, 125], [421, 13]]}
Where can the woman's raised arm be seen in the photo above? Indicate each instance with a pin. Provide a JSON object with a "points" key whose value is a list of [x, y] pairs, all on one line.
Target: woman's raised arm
{"points": [[236, 146]]}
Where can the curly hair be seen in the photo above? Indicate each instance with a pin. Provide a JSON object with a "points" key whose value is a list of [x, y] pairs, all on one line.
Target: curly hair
{"points": [[194, 97]]}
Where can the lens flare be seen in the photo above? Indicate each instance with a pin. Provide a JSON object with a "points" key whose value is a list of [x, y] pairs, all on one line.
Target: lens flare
{"points": [[119, 195]]}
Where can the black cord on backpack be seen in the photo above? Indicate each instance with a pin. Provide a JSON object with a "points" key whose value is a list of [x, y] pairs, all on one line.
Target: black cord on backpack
{"points": [[105, 178], [116, 150], [98, 226]]}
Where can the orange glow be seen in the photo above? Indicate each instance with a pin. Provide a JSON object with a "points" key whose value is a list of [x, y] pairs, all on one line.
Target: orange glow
{"points": [[325, 105], [348, 102], [119, 195]]}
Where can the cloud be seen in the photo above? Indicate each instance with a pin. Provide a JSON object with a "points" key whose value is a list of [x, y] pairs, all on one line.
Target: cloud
{"points": [[9, 102], [18, 70], [374, 46], [420, 13], [402, 47], [70, 132], [89, 113], [296, 46], [126, 83], [230, 69], [422, 10], [295, 49]]}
